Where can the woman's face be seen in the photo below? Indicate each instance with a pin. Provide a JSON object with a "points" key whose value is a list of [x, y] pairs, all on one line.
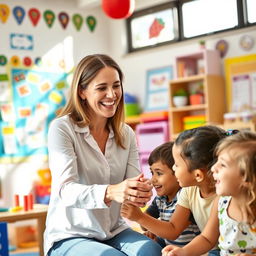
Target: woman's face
{"points": [[103, 93]]}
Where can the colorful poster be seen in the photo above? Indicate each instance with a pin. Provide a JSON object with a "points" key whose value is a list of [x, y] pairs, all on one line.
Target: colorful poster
{"points": [[36, 98]]}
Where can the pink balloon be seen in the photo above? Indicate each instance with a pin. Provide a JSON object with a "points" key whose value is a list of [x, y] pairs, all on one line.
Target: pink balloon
{"points": [[118, 9]]}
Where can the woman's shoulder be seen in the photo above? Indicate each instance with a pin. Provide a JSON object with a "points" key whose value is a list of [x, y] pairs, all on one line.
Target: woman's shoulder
{"points": [[127, 130], [61, 122]]}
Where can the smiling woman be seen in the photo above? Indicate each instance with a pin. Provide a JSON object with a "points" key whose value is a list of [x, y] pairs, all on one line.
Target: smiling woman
{"points": [[97, 169]]}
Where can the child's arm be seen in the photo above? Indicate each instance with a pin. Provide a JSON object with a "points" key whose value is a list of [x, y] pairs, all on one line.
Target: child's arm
{"points": [[169, 230], [203, 242], [244, 254]]}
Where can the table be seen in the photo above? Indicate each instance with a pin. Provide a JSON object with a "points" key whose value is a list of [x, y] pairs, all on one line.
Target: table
{"points": [[39, 212]]}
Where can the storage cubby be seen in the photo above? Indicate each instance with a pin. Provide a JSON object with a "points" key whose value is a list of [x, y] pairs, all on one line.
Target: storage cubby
{"points": [[213, 107], [201, 62]]}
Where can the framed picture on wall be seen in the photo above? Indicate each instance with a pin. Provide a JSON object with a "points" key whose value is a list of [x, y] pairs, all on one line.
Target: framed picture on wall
{"points": [[157, 82]]}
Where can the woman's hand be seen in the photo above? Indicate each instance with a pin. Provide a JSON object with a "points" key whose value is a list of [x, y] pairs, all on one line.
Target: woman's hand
{"points": [[131, 212], [137, 191], [172, 250]]}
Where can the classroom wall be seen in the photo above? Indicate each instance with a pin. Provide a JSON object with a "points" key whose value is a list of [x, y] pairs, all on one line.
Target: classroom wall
{"points": [[109, 37], [53, 44]]}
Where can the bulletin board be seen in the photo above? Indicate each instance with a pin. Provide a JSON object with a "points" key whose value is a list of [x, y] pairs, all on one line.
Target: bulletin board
{"points": [[240, 75], [35, 97]]}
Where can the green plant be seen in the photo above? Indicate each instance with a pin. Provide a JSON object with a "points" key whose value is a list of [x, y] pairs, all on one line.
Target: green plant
{"points": [[181, 92], [202, 42]]}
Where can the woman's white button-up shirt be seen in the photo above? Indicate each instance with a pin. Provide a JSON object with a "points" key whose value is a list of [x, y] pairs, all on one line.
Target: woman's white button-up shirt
{"points": [[80, 176]]}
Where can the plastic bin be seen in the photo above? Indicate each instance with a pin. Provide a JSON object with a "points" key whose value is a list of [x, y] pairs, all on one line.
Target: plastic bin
{"points": [[151, 135]]}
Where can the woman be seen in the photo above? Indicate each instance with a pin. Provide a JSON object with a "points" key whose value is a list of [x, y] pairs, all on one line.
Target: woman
{"points": [[94, 162]]}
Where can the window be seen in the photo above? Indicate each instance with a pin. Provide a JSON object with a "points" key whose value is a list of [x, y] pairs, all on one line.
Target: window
{"points": [[153, 26], [179, 20], [251, 14], [206, 16]]}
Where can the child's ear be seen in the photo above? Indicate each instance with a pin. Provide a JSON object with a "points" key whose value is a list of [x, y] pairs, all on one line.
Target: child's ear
{"points": [[199, 175]]}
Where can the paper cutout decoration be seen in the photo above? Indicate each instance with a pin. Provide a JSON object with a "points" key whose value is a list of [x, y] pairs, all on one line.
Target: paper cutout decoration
{"points": [[38, 61], [64, 19], [27, 61], [246, 42], [49, 17], [222, 47], [77, 21], [156, 27], [4, 12], [15, 61], [117, 9], [3, 60], [34, 15], [19, 14], [91, 23]]}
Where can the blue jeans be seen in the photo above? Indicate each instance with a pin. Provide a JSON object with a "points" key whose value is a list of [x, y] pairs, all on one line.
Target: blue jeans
{"points": [[128, 242], [215, 252]]}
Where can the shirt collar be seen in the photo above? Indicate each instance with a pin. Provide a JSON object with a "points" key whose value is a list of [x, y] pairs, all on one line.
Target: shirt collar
{"points": [[86, 130]]}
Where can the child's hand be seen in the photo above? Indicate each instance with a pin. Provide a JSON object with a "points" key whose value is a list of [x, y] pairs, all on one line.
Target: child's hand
{"points": [[150, 235], [131, 212], [172, 250]]}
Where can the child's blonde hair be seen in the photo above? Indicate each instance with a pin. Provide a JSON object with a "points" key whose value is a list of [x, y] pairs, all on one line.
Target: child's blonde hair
{"points": [[244, 143]]}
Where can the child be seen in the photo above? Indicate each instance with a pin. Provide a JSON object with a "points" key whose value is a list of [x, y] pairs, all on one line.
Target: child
{"points": [[193, 152], [233, 217], [167, 188]]}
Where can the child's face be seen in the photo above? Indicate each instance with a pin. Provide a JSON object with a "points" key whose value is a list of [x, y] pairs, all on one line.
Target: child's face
{"points": [[227, 174], [184, 177], [163, 180]]}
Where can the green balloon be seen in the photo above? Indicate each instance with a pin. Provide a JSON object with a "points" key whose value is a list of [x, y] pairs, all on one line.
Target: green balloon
{"points": [[78, 21], [49, 17], [91, 22]]}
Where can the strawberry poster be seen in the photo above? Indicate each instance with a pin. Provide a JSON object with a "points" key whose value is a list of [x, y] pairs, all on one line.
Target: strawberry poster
{"points": [[153, 28]]}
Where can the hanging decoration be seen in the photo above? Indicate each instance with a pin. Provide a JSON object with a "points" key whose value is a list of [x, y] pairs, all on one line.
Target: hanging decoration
{"points": [[27, 61], [64, 19], [49, 17], [77, 21], [4, 12], [19, 14], [34, 15], [246, 42], [38, 61], [222, 47], [3, 60], [91, 23], [15, 61], [117, 9]]}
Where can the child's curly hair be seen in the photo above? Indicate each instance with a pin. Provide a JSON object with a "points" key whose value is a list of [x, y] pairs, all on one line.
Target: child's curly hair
{"points": [[244, 144]]}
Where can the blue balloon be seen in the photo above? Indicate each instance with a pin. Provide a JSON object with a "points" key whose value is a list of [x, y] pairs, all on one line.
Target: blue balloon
{"points": [[19, 14]]}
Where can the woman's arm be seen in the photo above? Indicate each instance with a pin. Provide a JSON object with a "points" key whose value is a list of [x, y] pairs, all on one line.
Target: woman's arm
{"points": [[203, 242], [169, 230]]}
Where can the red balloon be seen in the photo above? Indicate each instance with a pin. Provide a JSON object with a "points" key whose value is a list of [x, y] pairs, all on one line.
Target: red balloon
{"points": [[118, 9]]}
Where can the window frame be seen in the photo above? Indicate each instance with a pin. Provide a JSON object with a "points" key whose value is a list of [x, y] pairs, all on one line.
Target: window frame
{"points": [[178, 24], [144, 12]]}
